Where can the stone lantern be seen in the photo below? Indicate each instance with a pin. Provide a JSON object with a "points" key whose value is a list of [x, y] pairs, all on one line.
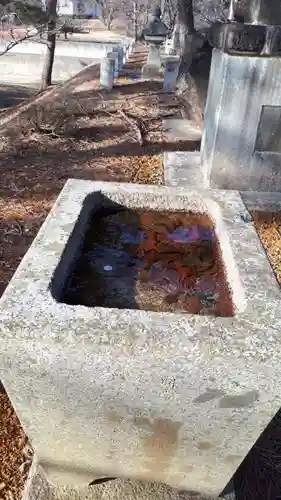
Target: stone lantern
{"points": [[155, 34]]}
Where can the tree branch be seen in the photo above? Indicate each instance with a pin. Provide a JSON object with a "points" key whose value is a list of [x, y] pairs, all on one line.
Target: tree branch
{"points": [[15, 42]]}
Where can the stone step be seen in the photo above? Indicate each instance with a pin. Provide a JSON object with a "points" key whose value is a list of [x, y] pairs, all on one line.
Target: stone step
{"points": [[182, 130], [182, 168]]}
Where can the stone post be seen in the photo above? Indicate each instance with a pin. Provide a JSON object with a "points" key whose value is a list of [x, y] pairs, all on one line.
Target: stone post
{"points": [[171, 73], [130, 49], [125, 51], [120, 53], [114, 56], [169, 49], [107, 69], [153, 66], [117, 53]]}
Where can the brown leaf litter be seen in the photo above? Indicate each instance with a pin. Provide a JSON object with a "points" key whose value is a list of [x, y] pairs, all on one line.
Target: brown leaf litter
{"points": [[16, 453], [268, 226]]}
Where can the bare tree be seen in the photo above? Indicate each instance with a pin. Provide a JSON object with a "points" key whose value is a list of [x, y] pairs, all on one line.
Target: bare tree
{"points": [[46, 79], [137, 15], [35, 21], [109, 10], [185, 29], [169, 13], [195, 20]]}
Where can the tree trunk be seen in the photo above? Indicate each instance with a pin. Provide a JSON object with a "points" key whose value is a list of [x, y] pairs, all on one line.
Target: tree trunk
{"points": [[186, 33], [190, 87], [135, 20], [193, 85], [186, 30], [109, 19], [185, 15], [46, 79]]}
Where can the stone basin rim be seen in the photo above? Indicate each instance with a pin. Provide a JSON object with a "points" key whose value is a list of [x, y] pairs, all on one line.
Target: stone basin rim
{"points": [[228, 221]]}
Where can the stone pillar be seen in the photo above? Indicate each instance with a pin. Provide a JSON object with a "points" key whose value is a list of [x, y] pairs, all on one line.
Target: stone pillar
{"points": [[118, 55], [114, 56], [107, 69], [120, 52], [130, 50], [169, 49], [171, 73], [153, 66], [241, 145], [125, 51]]}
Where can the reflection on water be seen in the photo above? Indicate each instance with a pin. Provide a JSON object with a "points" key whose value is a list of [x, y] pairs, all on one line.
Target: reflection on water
{"points": [[153, 261]]}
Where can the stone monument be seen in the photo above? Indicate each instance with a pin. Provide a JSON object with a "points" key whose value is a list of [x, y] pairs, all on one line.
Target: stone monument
{"points": [[241, 145], [154, 33]]}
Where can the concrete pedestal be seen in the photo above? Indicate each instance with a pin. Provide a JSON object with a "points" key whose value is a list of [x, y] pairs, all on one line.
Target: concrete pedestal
{"points": [[171, 73], [169, 46], [120, 54], [241, 146], [107, 69], [113, 54], [153, 67]]}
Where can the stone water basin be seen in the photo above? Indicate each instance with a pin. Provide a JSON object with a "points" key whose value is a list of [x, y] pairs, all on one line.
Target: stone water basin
{"points": [[140, 336]]}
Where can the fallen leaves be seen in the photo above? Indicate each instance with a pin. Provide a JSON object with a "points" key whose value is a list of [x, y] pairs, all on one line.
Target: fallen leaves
{"points": [[16, 453], [268, 226]]}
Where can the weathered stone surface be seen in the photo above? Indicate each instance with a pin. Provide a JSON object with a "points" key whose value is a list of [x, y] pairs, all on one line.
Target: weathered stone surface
{"points": [[239, 88], [260, 201], [182, 130], [238, 38], [183, 168], [125, 489], [264, 12], [177, 398], [37, 485], [153, 67], [171, 73], [107, 69]]}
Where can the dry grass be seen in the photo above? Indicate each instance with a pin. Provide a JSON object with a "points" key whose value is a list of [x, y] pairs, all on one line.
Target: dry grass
{"points": [[16, 453], [268, 226]]}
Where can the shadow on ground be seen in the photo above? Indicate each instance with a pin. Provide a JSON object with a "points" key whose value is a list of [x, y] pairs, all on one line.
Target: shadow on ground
{"points": [[259, 475], [12, 95]]}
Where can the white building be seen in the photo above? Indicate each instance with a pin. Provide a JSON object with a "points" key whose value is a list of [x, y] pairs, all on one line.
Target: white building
{"points": [[82, 8], [78, 7]]}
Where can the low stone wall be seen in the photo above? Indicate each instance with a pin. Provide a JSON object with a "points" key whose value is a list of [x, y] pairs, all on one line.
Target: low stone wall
{"points": [[27, 71]]}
